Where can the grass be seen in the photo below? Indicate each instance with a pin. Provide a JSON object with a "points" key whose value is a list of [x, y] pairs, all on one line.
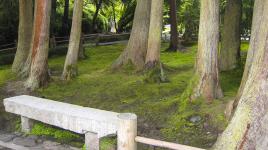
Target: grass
{"points": [[157, 104]]}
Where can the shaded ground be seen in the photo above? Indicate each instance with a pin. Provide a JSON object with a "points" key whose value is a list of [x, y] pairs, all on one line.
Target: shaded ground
{"points": [[158, 105]]}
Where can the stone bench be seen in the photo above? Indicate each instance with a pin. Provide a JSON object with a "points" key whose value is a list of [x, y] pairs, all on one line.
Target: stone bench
{"points": [[93, 123]]}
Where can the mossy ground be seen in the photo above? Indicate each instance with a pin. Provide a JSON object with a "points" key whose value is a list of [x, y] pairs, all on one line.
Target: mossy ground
{"points": [[158, 105]]}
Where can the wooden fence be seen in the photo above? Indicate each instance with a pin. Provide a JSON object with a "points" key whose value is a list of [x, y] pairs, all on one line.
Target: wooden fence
{"points": [[97, 39]]}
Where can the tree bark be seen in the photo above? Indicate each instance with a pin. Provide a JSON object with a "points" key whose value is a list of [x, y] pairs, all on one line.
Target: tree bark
{"points": [[252, 50], [207, 76], [70, 66], [39, 52], [94, 21], [53, 17], [82, 53], [230, 48], [65, 18], [248, 128], [173, 46], [25, 34], [136, 49], [154, 38]]}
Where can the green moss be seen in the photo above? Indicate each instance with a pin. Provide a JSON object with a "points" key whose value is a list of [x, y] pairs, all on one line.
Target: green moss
{"points": [[61, 135], [161, 107], [5, 74]]}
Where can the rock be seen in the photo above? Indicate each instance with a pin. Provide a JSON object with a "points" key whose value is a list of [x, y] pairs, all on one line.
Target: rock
{"points": [[195, 119], [7, 137], [27, 142], [18, 134], [50, 145], [3, 148]]}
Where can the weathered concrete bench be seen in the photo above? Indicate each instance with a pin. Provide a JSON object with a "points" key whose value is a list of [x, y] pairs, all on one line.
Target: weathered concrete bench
{"points": [[93, 123]]}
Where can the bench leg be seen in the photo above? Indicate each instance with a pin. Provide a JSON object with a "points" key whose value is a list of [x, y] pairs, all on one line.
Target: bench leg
{"points": [[26, 124], [91, 141]]}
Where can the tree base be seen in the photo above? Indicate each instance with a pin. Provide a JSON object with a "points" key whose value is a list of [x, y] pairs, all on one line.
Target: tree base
{"points": [[70, 73], [154, 73]]}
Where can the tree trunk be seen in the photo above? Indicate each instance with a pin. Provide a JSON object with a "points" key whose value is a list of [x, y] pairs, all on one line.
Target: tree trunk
{"points": [[154, 38], [65, 18], [248, 128], [53, 17], [94, 21], [25, 34], [82, 53], [251, 51], [135, 51], [39, 65], [70, 66], [173, 46], [230, 48], [207, 84]]}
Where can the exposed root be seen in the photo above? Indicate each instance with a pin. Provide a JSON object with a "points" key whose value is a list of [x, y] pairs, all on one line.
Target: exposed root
{"points": [[155, 72]]}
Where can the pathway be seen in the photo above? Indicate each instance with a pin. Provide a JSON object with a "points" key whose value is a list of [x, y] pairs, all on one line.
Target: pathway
{"points": [[19, 141]]}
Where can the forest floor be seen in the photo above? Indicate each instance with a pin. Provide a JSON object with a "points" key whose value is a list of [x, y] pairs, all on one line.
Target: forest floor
{"points": [[161, 112]]}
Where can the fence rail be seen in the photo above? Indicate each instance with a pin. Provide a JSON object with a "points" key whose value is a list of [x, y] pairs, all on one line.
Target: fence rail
{"points": [[163, 144], [87, 38]]}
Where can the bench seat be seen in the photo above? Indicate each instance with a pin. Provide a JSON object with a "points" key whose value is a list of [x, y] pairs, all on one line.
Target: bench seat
{"points": [[67, 116]]}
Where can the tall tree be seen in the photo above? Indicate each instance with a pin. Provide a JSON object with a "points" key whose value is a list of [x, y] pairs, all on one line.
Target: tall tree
{"points": [[70, 66], [173, 46], [248, 127], [53, 17], [251, 51], [230, 48], [207, 76], [24, 35], [127, 16], [40, 44], [154, 38], [65, 18], [94, 21], [135, 51]]}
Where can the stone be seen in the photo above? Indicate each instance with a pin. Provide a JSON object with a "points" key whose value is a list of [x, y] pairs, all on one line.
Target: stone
{"points": [[91, 141], [50, 145], [67, 116], [3, 148], [26, 124], [7, 137], [195, 119], [27, 142]]}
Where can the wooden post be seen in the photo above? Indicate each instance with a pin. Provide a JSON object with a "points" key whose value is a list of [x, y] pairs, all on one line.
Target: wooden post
{"points": [[81, 53], [97, 40], [91, 141], [53, 43], [127, 132], [26, 124]]}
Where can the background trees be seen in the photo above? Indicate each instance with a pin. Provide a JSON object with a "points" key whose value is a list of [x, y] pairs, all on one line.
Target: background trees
{"points": [[40, 45], [24, 34], [136, 49], [154, 38], [207, 74], [231, 35], [70, 66], [248, 127]]}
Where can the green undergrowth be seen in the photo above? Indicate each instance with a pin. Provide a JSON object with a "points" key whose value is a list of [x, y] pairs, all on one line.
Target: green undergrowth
{"points": [[5, 74], [68, 137], [163, 112]]}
